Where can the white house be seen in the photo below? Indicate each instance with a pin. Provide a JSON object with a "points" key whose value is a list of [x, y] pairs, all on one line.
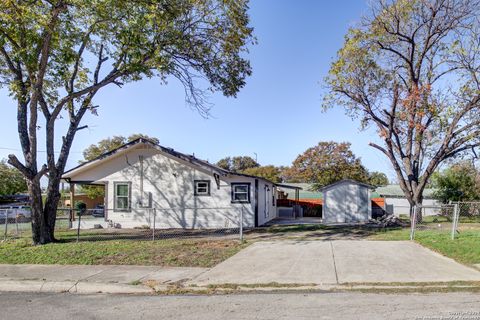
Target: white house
{"points": [[397, 204], [346, 201], [143, 179]]}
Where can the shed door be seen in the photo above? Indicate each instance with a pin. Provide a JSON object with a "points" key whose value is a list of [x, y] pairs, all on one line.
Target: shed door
{"points": [[336, 205], [350, 199], [363, 204]]}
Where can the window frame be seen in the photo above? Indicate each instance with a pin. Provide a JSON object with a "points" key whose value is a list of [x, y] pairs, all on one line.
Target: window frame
{"points": [[195, 191], [129, 196], [236, 184]]}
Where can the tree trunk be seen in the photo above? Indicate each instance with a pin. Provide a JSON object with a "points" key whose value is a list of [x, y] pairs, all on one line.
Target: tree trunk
{"points": [[51, 205], [43, 216], [417, 204], [36, 205]]}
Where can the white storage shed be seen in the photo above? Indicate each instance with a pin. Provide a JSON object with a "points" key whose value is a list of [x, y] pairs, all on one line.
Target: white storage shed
{"points": [[346, 201]]}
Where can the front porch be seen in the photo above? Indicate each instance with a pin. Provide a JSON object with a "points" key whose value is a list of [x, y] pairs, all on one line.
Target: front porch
{"points": [[93, 212]]}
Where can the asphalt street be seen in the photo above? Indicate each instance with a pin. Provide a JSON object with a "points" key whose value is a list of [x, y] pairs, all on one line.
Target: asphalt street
{"points": [[241, 306]]}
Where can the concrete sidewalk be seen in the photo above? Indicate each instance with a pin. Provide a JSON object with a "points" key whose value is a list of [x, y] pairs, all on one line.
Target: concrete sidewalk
{"points": [[91, 279]]}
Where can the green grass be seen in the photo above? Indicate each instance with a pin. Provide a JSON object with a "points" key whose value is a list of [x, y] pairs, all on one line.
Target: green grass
{"points": [[465, 248], [174, 253]]}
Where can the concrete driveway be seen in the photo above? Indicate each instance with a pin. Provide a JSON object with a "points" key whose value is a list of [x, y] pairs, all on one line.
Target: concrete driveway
{"points": [[336, 262]]}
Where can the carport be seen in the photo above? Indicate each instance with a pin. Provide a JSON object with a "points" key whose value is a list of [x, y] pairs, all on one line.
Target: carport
{"points": [[287, 208], [89, 220]]}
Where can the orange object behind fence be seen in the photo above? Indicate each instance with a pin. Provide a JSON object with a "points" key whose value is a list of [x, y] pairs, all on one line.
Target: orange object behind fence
{"points": [[313, 207]]}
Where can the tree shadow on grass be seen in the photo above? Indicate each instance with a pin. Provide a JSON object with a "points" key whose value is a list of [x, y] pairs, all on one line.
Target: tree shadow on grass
{"points": [[317, 232]]}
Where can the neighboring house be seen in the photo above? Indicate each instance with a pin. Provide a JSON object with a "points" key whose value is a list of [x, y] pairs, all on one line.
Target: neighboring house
{"points": [[346, 201], [397, 204], [143, 179]]}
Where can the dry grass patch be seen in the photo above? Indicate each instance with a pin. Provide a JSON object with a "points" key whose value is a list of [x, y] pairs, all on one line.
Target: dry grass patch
{"points": [[168, 253]]}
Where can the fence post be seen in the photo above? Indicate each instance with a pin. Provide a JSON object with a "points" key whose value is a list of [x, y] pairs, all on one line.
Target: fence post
{"points": [[455, 220], [70, 219], [413, 223], [458, 217], [78, 228], [241, 225], [16, 223], [154, 218], [6, 225]]}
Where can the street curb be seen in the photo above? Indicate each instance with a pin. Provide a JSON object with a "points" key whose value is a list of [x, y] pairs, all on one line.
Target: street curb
{"points": [[71, 287], [84, 287]]}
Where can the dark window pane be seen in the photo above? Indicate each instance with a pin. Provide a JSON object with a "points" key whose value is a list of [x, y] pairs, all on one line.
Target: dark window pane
{"points": [[122, 190], [241, 188]]}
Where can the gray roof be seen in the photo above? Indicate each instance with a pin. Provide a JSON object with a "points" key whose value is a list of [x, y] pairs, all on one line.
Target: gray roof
{"points": [[185, 157], [347, 181], [394, 190], [171, 151]]}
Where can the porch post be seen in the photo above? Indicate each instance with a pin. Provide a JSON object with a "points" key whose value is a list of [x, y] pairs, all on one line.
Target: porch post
{"points": [[72, 198], [105, 202]]}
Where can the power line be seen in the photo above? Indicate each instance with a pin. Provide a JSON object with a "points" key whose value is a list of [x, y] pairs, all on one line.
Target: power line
{"points": [[43, 151]]}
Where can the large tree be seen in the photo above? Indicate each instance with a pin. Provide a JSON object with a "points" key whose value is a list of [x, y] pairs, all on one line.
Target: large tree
{"points": [[377, 178], [238, 163], [11, 180], [459, 182], [411, 70], [269, 172], [56, 55], [108, 144], [326, 163]]}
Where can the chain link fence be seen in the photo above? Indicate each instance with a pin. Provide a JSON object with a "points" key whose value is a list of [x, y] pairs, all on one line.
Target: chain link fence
{"points": [[449, 218], [434, 218], [94, 225], [16, 222]]}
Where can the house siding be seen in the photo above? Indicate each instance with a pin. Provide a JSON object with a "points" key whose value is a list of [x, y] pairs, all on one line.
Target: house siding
{"points": [[400, 206], [171, 183], [266, 208], [346, 202]]}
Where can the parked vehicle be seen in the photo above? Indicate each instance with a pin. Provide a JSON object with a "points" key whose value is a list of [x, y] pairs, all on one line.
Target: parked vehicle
{"points": [[99, 211]]}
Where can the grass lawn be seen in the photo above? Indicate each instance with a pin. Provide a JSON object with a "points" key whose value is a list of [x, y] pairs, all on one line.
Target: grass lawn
{"points": [[465, 248], [133, 247], [172, 253]]}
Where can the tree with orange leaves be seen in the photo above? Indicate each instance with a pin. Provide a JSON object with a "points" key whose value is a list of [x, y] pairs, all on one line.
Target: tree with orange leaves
{"points": [[411, 69]]}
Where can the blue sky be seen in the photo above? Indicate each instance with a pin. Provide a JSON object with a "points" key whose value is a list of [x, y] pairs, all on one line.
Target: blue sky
{"points": [[277, 115]]}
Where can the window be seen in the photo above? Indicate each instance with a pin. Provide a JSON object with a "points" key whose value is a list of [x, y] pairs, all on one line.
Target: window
{"points": [[241, 192], [202, 187], [122, 196]]}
